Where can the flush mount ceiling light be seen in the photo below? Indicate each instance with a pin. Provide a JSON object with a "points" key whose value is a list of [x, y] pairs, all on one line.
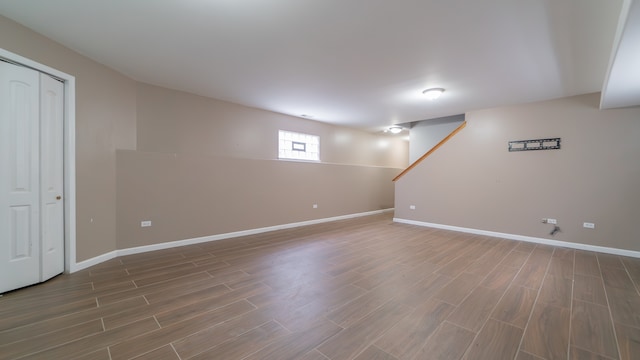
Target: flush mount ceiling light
{"points": [[433, 93], [395, 129]]}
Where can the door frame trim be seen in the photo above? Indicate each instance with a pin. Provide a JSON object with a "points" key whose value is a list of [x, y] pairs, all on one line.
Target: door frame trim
{"points": [[69, 153]]}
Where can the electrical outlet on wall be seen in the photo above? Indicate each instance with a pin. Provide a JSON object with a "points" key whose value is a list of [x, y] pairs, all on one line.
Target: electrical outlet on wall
{"points": [[589, 225], [315, 206], [145, 223], [412, 207]]}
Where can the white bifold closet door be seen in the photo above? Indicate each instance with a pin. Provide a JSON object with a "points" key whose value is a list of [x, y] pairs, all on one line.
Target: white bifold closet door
{"points": [[31, 177]]}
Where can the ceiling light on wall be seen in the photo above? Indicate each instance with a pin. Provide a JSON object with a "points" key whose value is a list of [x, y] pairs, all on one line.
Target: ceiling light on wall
{"points": [[395, 129], [433, 93]]}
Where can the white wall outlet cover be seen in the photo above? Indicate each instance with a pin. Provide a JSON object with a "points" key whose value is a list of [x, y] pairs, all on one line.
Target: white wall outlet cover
{"points": [[589, 225], [412, 207], [145, 223], [315, 206]]}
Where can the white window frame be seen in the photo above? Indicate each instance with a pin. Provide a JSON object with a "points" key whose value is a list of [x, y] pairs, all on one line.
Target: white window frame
{"points": [[298, 146]]}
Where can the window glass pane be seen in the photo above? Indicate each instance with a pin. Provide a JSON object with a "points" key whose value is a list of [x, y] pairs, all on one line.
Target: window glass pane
{"points": [[298, 146]]}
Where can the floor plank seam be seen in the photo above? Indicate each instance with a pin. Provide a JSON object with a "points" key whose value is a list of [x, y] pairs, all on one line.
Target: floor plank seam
{"points": [[626, 269], [175, 351], [281, 324], [321, 353], [606, 296], [535, 302], [469, 347], [571, 307], [155, 319]]}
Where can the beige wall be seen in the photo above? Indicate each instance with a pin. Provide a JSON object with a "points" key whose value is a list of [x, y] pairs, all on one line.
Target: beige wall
{"points": [[214, 140], [188, 196], [105, 120], [474, 182], [177, 122], [207, 167], [426, 134]]}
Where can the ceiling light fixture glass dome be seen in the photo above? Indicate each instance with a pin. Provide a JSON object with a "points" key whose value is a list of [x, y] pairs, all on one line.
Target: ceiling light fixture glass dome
{"points": [[433, 93]]}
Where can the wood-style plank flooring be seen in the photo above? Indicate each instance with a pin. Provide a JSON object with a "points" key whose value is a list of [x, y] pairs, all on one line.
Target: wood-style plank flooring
{"points": [[364, 289]]}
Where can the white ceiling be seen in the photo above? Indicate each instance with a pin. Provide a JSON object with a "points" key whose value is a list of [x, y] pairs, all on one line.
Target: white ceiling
{"points": [[357, 63], [622, 82]]}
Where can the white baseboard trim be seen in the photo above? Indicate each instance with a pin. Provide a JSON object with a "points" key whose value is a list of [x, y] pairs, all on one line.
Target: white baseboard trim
{"points": [[93, 261], [171, 244], [531, 239]]}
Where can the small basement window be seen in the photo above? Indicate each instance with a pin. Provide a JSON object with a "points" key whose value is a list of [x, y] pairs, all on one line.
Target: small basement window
{"points": [[298, 146]]}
